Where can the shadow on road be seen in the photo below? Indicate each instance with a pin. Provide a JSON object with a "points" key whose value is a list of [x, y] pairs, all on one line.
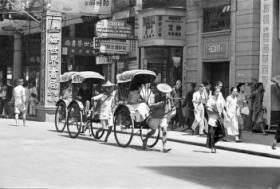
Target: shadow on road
{"points": [[135, 147], [225, 177], [80, 137]]}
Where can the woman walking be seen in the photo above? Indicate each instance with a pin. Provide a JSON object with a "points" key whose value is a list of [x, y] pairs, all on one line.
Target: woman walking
{"points": [[244, 111], [215, 132], [232, 111]]}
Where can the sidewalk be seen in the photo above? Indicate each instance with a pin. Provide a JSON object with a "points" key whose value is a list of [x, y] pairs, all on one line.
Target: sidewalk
{"points": [[253, 143]]}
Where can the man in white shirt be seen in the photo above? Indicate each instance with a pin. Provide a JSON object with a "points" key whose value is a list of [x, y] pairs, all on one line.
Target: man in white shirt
{"points": [[19, 96], [198, 99]]}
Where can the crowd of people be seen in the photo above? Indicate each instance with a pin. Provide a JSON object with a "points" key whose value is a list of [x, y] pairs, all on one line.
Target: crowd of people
{"points": [[208, 113]]}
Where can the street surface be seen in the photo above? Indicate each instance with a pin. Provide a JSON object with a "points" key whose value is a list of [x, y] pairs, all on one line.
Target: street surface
{"points": [[37, 156]]}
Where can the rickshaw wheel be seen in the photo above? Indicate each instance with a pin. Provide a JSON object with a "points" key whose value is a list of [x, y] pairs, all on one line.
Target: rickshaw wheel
{"points": [[60, 117], [123, 127], [74, 120], [152, 140], [97, 130]]}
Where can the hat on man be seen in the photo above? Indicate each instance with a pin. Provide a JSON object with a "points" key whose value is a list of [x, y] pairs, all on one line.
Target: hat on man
{"points": [[108, 84], [164, 88]]}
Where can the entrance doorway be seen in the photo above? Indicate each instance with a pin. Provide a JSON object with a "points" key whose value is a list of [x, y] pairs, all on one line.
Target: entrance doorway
{"points": [[217, 71]]}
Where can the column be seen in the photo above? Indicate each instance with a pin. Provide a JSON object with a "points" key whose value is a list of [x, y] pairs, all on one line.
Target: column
{"points": [[17, 67], [50, 65]]}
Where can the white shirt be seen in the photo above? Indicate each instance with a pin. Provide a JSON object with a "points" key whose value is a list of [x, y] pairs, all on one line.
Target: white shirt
{"points": [[212, 114], [197, 100], [19, 94]]}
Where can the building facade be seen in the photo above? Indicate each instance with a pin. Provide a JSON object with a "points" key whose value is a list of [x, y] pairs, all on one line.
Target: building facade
{"points": [[224, 42]]}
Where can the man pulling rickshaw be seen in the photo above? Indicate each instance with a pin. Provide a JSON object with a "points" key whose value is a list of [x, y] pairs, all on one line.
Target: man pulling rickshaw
{"points": [[161, 113]]}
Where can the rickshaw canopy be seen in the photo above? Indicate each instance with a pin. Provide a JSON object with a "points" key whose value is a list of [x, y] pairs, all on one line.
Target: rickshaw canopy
{"points": [[80, 77], [67, 76], [141, 75]]}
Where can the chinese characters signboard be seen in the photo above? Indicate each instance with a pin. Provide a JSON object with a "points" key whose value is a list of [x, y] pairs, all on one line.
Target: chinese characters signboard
{"points": [[163, 27], [77, 46], [113, 29], [111, 46], [51, 60], [266, 37], [92, 7]]}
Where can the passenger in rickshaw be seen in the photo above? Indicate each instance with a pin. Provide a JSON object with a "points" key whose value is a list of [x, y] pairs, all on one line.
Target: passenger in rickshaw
{"points": [[107, 102], [84, 95], [67, 92], [160, 114], [136, 100]]}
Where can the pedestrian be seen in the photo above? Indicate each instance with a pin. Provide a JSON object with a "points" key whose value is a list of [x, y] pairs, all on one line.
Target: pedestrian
{"points": [[1, 98], [107, 102], [198, 98], [257, 109], [232, 111], [242, 101], [207, 92], [177, 96], [19, 95], [221, 105], [189, 105], [276, 140], [159, 116], [33, 99], [215, 132]]}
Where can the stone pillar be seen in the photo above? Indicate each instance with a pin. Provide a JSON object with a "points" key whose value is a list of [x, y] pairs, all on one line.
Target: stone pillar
{"points": [[17, 67], [50, 65]]}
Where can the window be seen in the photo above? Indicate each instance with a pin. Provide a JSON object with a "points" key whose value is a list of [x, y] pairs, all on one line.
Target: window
{"points": [[216, 18]]}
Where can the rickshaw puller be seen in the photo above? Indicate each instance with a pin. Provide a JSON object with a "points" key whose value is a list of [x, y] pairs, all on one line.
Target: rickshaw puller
{"points": [[106, 109], [159, 115]]}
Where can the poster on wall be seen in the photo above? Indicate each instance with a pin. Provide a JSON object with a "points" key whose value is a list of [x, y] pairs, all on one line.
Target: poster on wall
{"points": [[265, 66], [88, 7]]}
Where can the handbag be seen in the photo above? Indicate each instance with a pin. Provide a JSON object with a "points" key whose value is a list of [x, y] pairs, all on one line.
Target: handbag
{"points": [[227, 122], [245, 110]]}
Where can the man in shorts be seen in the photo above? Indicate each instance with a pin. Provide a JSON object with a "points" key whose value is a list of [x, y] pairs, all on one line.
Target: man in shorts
{"points": [[159, 116], [19, 96]]}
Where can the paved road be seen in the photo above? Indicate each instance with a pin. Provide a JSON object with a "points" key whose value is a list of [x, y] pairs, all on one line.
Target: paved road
{"points": [[38, 157]]}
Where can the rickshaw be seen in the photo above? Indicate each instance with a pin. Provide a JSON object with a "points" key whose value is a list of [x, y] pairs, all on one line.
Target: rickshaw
{"points": [[79, 115], [125, 121], [62, 103]]}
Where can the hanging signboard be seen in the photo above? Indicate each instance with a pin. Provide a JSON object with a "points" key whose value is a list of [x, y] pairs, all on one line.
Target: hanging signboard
{"points": [[104, 60], [113, 29], [265, 66], [88, 7], [77, 46], [111, 46]]}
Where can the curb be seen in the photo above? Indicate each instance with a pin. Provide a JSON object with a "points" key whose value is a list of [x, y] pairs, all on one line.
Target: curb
{"points": [[227, 148]]}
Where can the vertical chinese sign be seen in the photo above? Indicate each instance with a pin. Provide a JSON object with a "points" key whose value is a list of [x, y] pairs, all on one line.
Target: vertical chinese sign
{"points": [[265, 67], [51, 60]]}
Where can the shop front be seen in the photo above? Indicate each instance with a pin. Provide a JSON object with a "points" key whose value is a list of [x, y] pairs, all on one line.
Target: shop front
{"points": [[161, 42]]}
